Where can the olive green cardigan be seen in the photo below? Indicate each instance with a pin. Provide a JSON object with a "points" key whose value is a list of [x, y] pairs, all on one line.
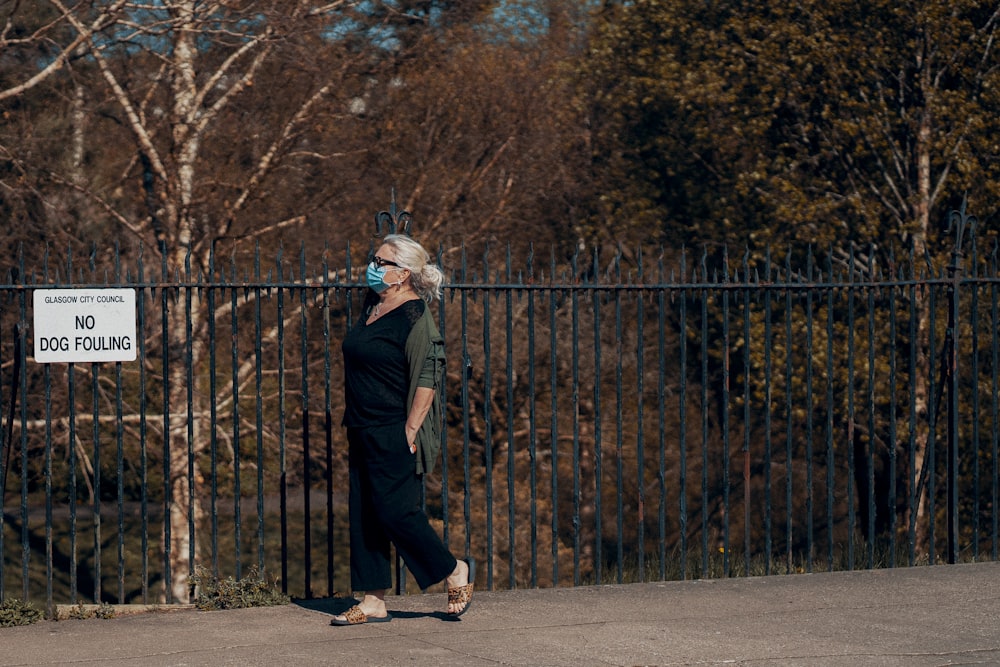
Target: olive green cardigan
{"points": [[425, 350]]}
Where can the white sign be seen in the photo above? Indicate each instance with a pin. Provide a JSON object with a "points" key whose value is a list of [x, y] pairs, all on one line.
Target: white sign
{"points": [[84, 325]]}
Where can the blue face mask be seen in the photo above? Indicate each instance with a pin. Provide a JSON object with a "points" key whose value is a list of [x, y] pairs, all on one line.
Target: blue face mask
{"points": [[373, 276]]}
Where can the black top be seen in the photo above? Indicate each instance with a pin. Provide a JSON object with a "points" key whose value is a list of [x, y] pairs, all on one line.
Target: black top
{"points": [[376, 371]]}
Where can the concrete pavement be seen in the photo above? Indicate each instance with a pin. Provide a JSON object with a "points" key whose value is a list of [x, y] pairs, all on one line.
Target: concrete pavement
{"points": [[939, 615]]}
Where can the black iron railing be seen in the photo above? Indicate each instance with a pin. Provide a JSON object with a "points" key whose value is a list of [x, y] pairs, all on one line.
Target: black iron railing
{"points": [[607, 421]]}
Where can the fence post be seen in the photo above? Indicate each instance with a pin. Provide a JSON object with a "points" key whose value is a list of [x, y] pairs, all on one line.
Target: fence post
{"points": [[396, 221], [958, 220]]}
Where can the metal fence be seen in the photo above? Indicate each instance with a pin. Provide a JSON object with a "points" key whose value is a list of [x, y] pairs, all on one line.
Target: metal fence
{"points": [[608, 419]]}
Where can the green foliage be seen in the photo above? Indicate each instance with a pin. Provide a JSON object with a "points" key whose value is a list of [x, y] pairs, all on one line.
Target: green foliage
{"points": [[105, 611], [79, 613], [83, 612], [252, 590], [15, 612], [819, 123]]}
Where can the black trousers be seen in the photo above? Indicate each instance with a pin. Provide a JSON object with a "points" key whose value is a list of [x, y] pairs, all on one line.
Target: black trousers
{"points": [[385, 507]]}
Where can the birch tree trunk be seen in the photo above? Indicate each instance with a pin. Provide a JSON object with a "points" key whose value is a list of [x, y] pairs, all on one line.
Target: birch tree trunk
{"points": [[925, 364]]}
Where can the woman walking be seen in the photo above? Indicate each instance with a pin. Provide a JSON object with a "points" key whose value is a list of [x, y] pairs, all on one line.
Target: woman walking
{"points": [[393, 364]]}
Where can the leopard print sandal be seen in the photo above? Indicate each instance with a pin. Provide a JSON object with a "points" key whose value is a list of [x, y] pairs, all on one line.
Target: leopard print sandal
{"points": [[462, 595], [354, 616]]}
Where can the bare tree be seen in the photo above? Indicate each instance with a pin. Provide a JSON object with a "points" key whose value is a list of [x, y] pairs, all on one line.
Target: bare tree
{"points": [[205, 110]]}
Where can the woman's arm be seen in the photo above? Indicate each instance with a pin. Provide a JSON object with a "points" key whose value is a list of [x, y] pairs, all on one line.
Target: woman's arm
{"points": [[421, 405]]}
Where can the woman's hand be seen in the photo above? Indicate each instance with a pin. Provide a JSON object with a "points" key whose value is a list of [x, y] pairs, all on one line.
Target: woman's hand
{"points": [[411, 438]]}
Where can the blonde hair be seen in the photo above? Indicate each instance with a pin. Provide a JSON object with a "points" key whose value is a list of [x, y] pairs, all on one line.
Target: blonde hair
{"points": [[425, 277]]}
